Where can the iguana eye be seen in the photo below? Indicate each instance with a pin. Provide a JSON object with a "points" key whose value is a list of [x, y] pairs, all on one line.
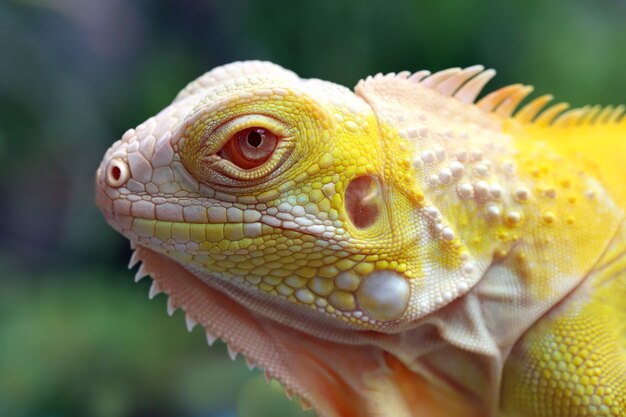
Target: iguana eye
{"points": [[249, 148]]}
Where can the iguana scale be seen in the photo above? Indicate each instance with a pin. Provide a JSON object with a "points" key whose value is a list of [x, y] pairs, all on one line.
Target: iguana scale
{"points": [[401, 250]]}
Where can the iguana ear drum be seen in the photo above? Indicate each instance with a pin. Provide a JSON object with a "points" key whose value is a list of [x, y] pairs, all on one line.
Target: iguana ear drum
{"points": [[363, 199]]}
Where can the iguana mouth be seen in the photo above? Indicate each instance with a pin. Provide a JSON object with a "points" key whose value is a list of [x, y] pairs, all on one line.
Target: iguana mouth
{"points": [[210, 231]]}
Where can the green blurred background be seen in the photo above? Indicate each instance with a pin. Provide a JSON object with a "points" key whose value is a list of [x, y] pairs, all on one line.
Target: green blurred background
{"points": [[77, 337]]}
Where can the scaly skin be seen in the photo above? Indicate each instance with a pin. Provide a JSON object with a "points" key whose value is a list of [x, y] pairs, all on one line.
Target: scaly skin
{"points": [[396, 251]]}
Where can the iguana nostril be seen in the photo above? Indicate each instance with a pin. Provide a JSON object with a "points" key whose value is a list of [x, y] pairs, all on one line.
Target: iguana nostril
{"points": [[117, 173], [363, 199]]}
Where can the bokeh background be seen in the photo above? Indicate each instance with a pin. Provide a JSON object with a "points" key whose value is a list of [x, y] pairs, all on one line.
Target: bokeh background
{"points": [[77, 337]]}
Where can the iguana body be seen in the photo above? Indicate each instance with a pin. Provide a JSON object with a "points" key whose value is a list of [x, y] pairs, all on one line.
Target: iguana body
{"points": [[396, 251]]}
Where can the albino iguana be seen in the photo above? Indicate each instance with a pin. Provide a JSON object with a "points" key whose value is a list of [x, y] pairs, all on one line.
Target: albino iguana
{"points": [[400, 250]]}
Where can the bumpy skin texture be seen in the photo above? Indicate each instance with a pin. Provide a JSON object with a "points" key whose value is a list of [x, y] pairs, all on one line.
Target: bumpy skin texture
{"points": [[396, 251]]}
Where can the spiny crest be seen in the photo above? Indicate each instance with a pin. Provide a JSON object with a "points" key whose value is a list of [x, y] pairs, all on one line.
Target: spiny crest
{"points": [[466, 84], [211, 335]]}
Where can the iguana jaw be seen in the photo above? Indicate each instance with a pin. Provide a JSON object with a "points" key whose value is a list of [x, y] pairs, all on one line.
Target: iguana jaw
{"points": [[340, 379]]}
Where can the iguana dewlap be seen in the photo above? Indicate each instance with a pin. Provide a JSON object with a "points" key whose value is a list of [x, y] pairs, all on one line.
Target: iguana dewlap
{"points": [[400, 250]]}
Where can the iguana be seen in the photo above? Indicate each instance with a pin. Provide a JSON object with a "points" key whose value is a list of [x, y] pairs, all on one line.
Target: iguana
{"points": [[401, 250]]}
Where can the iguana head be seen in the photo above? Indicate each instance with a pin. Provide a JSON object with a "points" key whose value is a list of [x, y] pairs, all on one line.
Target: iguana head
{"points": [[295, 192]]}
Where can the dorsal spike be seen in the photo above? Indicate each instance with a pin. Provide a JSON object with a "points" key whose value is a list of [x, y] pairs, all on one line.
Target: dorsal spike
{"points": [[605, 114], [466, 84], [548, 115], [527, 113], [614, 117], [439, 77], [155, 289], [590, 115], [419, 76], [452, 84], [134, 260], [470, 90], [493, 99], [171, 306], [570, 117], [510, 103]]}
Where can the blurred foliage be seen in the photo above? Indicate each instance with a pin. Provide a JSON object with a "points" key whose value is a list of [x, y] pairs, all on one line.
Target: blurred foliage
{"points": [[76, 338], [86, 345]]}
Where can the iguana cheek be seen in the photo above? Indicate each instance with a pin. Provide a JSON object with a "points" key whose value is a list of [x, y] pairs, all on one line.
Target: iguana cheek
{"points": [[384, 295]]}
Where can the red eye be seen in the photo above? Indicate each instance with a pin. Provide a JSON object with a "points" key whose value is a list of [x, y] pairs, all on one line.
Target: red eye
{"points": [[249, 148]]}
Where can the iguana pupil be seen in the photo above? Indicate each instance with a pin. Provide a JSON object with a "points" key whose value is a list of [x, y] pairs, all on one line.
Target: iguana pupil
{"points": [[255, 138]]}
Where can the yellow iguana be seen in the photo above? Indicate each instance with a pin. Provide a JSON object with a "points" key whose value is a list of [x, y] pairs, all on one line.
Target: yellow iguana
{"points": [[400, 250]]}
